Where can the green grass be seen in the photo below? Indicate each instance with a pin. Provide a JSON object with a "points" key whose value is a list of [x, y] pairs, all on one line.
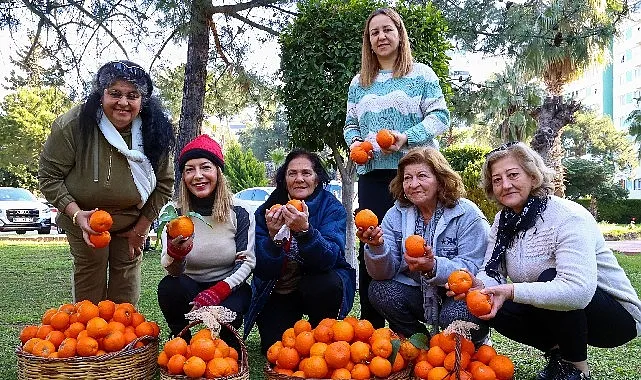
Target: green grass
{"points": [[36, 276]]}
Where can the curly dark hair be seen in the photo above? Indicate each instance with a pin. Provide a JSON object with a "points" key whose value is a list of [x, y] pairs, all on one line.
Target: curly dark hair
{"points": [[157, 130]]}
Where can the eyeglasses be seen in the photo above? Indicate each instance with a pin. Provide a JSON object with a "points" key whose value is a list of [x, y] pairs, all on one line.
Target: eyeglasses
{"points": [[502, 147], [115, 94]]}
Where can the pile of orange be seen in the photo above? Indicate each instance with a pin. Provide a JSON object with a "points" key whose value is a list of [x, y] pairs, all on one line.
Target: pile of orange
{"points": [[438, 362], [362, 153], [203, 356], [86, 329], [339, 349]]}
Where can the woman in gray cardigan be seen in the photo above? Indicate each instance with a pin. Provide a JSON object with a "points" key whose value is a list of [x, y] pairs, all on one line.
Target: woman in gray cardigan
{"points": [[409, 291], [567, 289]]}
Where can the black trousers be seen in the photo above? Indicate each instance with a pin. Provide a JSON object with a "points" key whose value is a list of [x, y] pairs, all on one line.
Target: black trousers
{"points": [[373, 194], [318, 296], [176, 293], [603, 323]]}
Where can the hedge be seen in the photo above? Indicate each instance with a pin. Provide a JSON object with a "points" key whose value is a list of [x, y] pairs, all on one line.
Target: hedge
{"points": [[619, 212]]}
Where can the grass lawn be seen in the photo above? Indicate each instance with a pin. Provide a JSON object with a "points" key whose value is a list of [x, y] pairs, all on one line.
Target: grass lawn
{"points": [[36, 276]]}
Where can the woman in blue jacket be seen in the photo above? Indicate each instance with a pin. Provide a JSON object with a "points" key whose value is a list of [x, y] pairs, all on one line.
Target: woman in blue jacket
{"points": [[300, 255], [409, 291]]}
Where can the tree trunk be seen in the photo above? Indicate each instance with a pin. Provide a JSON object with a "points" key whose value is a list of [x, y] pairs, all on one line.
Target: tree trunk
{"points": [[348, 171], [191, 113], [551, 117]]}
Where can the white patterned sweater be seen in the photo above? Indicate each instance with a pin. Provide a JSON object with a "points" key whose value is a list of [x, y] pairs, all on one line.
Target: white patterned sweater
{"points": [[566, 238]]}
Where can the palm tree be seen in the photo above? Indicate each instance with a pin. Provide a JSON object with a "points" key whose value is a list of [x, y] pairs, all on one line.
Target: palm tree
{"points": [[567, 37]]}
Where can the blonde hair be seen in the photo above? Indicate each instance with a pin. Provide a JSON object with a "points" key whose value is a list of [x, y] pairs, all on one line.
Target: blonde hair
{"points": [[369, 62], [221, 210], [450, 183], [529, 160]]}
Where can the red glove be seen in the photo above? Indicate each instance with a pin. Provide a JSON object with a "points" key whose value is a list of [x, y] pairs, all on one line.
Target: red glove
{"points": [[177, 252], [213, 296]]}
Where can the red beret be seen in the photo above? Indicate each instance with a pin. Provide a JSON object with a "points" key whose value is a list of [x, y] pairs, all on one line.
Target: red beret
{"points": [[202, 146]]}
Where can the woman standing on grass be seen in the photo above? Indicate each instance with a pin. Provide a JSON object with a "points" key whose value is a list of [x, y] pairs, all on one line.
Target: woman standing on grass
{"points": [[567, 290], [391, 92]]}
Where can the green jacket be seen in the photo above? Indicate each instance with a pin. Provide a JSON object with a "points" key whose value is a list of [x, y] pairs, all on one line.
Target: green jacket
{"points": [[96, 177]]}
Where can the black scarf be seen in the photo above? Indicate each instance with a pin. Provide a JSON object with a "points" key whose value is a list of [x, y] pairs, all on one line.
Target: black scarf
{"points": [[512, 225]]}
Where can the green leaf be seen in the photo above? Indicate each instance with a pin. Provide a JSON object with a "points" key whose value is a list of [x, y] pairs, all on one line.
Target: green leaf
{"points": [[396, 345], [197, 215], [420, 340]]}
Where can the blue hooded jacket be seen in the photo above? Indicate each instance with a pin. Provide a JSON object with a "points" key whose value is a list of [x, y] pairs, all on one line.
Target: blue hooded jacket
{"points": [[322, 249]]}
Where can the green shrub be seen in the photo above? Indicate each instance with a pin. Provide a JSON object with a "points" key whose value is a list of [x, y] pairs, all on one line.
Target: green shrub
{"points": [[616, 211]]}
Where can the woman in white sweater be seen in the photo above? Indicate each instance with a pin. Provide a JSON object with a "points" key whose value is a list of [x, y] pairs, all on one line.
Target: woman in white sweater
{"points": [[211, 267], [566, 289]]}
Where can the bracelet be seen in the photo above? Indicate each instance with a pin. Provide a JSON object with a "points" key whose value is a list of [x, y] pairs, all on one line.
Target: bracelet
{"points": [[73, 218], [356, 138]]}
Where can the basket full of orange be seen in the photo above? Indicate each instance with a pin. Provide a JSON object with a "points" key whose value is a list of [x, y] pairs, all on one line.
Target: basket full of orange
{"points": [[340, 349], [85, 340], [205, 356]]}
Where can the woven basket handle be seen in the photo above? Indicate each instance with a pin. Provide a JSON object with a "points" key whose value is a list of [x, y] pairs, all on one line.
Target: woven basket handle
{"points": [[224, 324]]}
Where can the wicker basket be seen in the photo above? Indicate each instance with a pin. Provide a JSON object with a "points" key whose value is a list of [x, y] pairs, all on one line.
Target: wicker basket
{"points": [[270, 374], [128, 363], [243, 366]]}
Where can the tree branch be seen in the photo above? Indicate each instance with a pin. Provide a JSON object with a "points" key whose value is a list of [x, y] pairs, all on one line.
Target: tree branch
{"points": [[254, 24], [219, 48]]}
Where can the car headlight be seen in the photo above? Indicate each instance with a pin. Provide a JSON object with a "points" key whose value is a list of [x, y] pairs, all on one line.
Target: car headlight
{"points": [[45, 213]]}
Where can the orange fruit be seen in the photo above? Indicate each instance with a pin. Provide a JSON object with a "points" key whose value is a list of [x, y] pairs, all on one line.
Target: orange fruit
{"points": [[359, 155], [341, 374], [282, 371], [447, 342], [337, 354], [67, 348], [380, 367], [123, 315], [175, 364], [28, 332], [502, 366], [365, 219], [434, 340], [450, 359], [415, 246], [203, 348], [382, 347], [329, 322], [97, 327], [60, 321], [87, 346], [366, 146], [315, 367], [67, 308], [484, 354], [100, 221], [194, 367], [297, 204], [421, 369], [318, 349], [86, 311], [298, 373], [114, 341], [43, 331], [181, 226], [289, 337], [304, 342], [288, 358], [217, 367], [399, 363], [467, 346], [136, 319], [233, 353], [385, 138], [46, 317], [361, 372], [478, 303], [275, 207], [74, 329], [462, 375], [483, 372], [363, 330], [28, 345], [100, 241], [233, 365], [437, 373], [383, 332], [343, 331], [436, 356], [459, 281], [360, 351], [408, 351], [176, 346], [323, 334], [162, 359], [302, 325], [43, 348], [106, 309], [56, 337], [145, 328], [273, 350]]}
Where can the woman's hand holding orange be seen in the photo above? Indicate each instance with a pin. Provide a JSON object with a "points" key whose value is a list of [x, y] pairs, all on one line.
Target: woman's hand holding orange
{"points": [[400, 139], [372, 235], [499, 294], [476, 285], [423, 263], [297, 221], [275, 220]]}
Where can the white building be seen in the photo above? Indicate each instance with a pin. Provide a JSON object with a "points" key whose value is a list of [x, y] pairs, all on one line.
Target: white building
{"points": [[611, 90]]}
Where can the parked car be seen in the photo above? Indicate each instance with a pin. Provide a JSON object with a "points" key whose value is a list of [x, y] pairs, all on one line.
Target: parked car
{"points": [[252, 197], [20, 211], [54, 215]]}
